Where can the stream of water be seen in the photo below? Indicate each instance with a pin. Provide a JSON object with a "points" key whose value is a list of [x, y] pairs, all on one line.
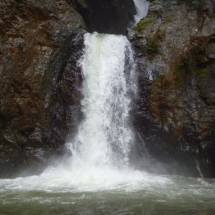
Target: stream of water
{"points": [[98, 179]]}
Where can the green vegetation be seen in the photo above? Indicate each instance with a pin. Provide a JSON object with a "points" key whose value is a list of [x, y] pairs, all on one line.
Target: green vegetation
{"points": [[141, 25], [152, 48], [194, 60], [153, 44]]}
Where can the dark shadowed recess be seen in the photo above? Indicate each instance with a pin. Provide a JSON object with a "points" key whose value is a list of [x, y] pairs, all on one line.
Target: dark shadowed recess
{"points": [[106, 16]]}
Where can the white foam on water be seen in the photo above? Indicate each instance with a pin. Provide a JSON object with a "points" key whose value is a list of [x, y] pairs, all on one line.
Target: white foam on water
{"points": [[83, 180]]}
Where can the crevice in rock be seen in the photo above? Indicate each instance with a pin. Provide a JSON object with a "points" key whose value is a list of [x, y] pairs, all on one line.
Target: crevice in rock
{"points": [[106, 16]]}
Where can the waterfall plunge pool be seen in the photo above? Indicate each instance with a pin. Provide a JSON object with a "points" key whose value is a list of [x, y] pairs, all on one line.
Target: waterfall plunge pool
{"points": [[59, 191]]}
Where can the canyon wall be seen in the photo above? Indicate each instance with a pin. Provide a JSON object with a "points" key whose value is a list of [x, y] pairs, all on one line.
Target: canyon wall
{"points": [[175, 115], [40, 42]]}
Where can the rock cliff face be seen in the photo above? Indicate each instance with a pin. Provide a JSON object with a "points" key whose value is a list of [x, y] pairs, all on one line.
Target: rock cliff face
{"points": [[175, 115], [41, 42]]}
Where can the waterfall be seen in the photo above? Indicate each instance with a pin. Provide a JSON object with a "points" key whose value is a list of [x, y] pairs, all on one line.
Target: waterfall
{"points": [[141, 8], [98, 178], [104, 137]]}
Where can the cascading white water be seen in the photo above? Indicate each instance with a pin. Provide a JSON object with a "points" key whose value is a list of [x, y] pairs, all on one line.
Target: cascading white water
{"points": [[104, 137], [141, 8]]}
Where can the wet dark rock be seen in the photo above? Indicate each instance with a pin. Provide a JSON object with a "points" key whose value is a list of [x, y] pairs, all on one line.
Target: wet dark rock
{"points": [[40, 43], [175, 112], [106, 16]]}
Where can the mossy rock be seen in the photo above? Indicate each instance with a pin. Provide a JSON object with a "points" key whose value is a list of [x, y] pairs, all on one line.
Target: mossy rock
{"points": [[152, 48], [141, 25], [153, 43], [194, 60]]}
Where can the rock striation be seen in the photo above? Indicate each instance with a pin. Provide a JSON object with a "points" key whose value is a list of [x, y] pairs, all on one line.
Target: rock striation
{"points": [[40, 42]]}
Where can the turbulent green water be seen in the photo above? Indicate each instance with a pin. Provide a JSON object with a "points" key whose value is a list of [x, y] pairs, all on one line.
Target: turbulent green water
{"points": [[165, 195]]}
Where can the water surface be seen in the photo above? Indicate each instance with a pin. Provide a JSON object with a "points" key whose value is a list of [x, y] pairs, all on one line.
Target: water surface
{"points": [[146, 194]]}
